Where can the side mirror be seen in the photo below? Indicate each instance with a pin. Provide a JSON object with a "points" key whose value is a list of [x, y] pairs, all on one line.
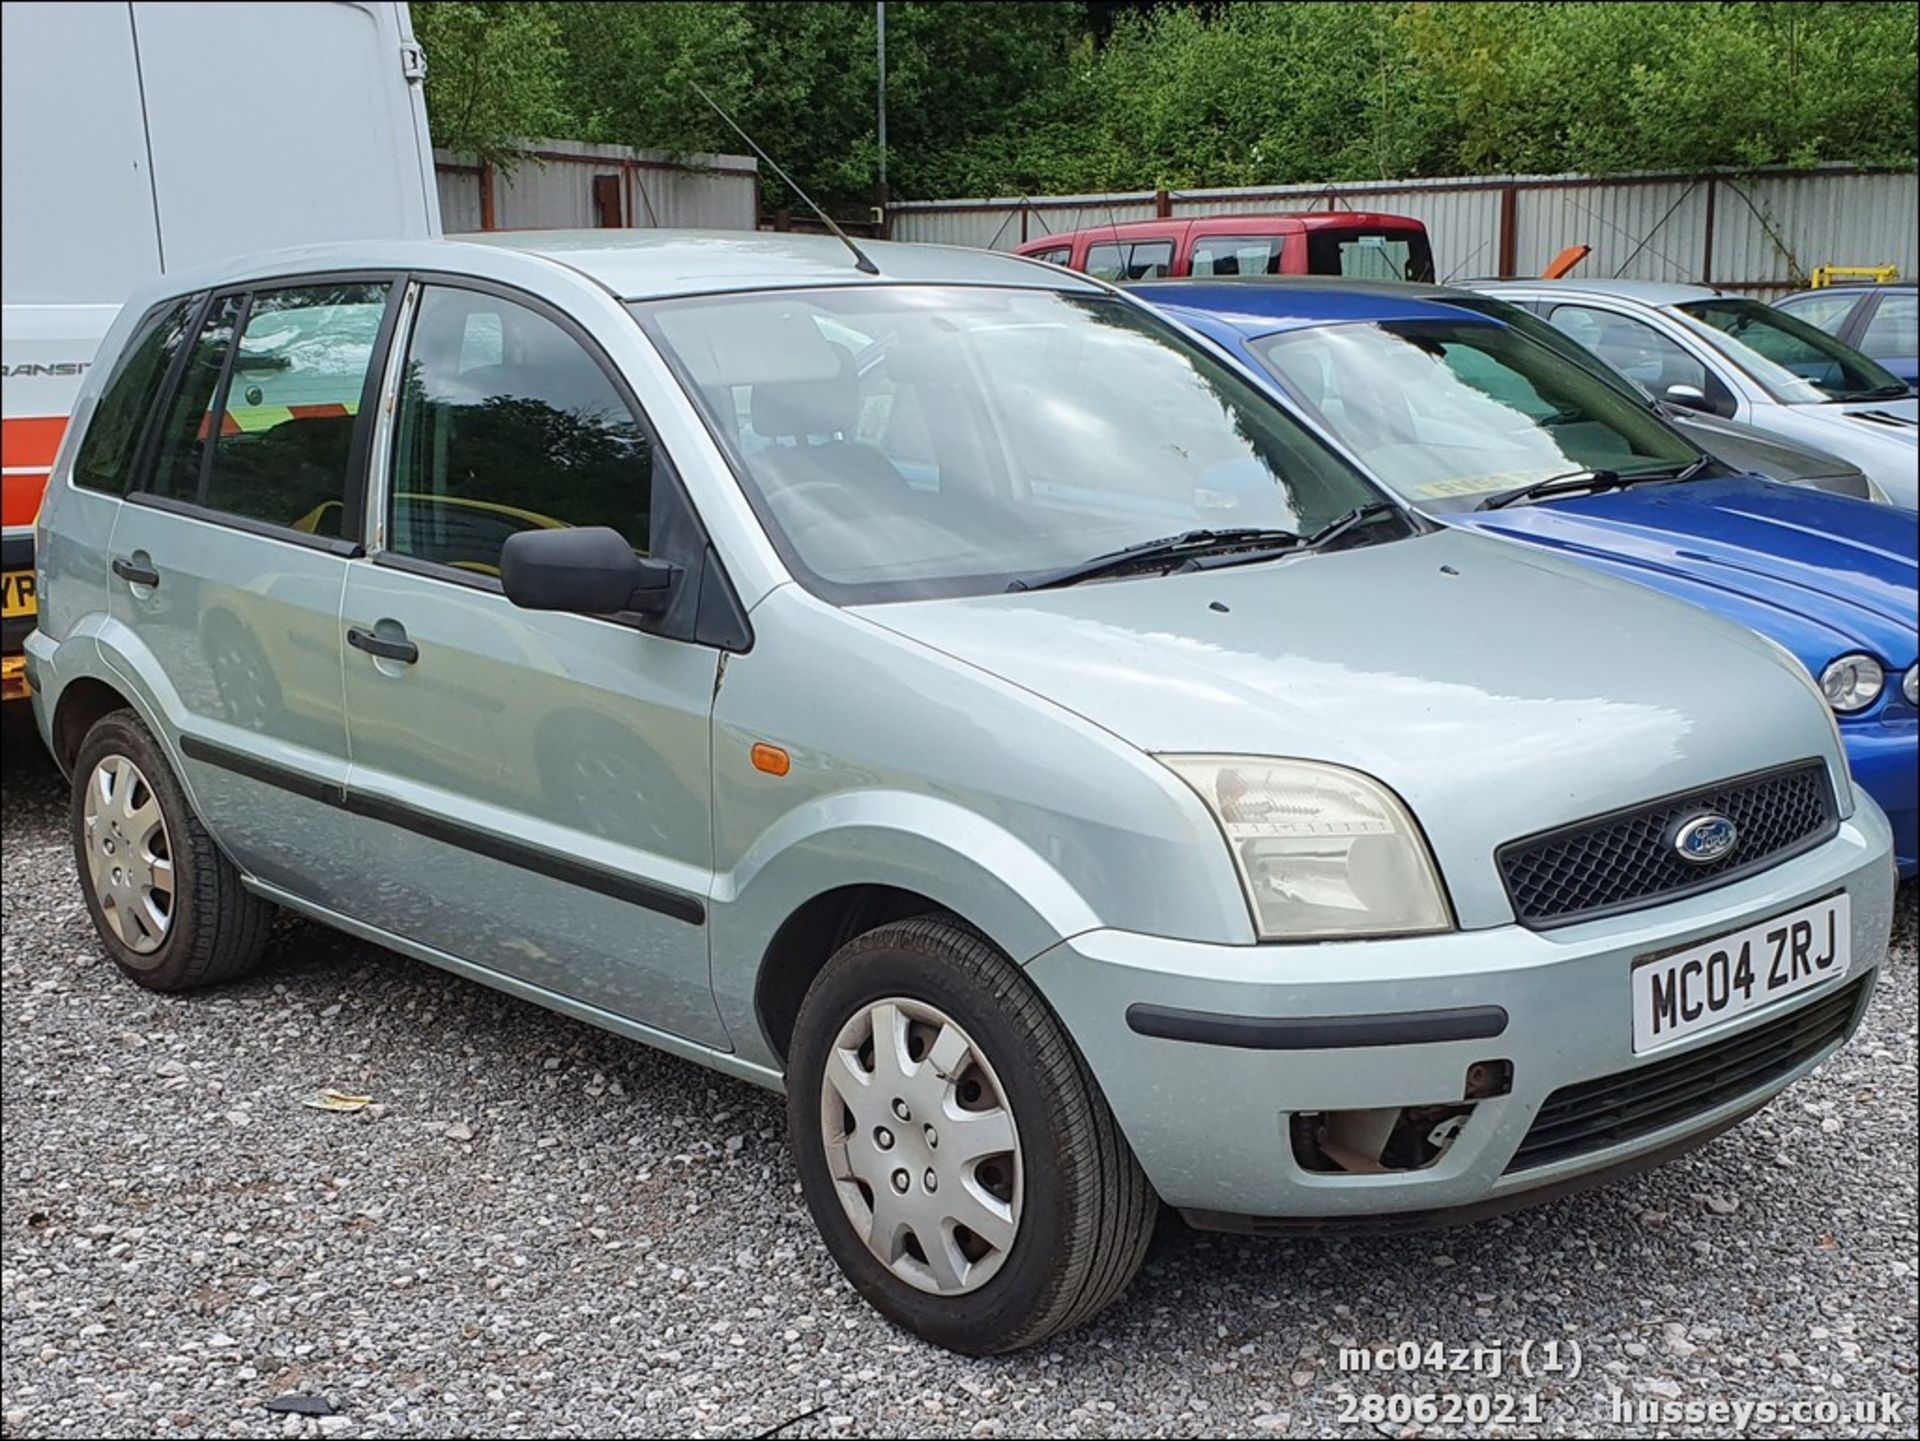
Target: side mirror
{"points": [[589, 569], [1692, 397]]}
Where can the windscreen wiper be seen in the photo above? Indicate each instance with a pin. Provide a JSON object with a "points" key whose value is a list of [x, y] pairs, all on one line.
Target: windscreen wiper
{"points": [[1341, 524], [1168, 550], [1587, 481], [1319, 540], [1879, 392]]}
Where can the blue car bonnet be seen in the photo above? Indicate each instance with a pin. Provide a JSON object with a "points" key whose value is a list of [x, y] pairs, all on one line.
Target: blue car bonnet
{"points": [[1822, 574]]}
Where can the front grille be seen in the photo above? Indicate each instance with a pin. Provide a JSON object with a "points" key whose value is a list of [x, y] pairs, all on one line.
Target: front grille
{"points": [[1627, 858], [1593, 1115]]}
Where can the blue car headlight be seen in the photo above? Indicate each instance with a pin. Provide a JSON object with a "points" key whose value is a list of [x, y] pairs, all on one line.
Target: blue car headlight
{"points": [[1852, 683], [1910, 685]]}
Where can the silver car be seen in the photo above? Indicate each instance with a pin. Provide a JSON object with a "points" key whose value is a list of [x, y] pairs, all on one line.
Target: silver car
{"points": [[947, 694], [1733, 356]]}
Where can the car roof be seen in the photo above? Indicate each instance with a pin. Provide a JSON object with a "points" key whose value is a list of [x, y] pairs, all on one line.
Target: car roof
{"points": [[1256, 309], [1225, 224], [1349, 284], [1854, 287], [652, 264], [1646, 292]]}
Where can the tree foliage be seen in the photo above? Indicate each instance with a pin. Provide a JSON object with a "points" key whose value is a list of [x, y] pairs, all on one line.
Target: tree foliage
{"points": [[493, 74], [1030, 98]]}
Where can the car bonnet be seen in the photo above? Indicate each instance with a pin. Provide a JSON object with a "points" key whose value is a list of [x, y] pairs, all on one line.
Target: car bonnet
{"points": [[1498, 689]]}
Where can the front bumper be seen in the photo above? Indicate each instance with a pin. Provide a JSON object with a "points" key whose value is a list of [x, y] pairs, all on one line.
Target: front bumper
{"points": [[1212, 1123], [1884, 757]]}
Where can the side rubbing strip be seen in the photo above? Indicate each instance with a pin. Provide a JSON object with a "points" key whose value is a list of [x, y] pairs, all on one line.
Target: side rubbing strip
{"points": [[1317, 1033], [255, 769], [678, 904]]}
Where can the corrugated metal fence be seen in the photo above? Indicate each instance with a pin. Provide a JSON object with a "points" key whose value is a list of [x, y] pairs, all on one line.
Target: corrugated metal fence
{"points": [[571, 183], [1761, 230]]}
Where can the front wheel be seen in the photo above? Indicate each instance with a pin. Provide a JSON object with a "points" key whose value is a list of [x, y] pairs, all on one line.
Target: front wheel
{"points": [[956, 1154]]}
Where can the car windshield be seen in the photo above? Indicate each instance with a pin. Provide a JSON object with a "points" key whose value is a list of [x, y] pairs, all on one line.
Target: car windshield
{"points": [[908, 441], [1448, 412], [1796, 363]]}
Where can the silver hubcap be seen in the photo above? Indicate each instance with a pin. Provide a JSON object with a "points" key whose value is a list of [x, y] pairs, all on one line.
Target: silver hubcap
{"points": [[922, 1146], [129, 857]]}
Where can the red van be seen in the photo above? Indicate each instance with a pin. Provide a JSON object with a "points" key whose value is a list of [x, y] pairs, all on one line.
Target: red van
{"points": [[1359, 243]]}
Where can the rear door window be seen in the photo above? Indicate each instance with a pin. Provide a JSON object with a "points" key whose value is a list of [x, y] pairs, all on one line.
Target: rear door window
{"points": [[287, 405], [1238, 254], [283, 452], [107, 453], [1130, 259]]}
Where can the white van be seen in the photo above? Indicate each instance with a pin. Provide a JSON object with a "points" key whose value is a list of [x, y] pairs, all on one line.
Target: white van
{"points": [[144, 138]]}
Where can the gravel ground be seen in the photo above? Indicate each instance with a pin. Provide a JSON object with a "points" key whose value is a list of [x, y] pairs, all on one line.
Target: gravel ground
{"points": [[541, 1229]]}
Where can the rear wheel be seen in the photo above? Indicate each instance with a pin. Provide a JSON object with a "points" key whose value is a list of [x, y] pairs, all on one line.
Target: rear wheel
{"points": [[955, 1151], [171, 910]]}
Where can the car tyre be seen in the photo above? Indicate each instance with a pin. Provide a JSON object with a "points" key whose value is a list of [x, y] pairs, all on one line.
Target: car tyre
{"points": [[171, 910], [1065, 1210]]}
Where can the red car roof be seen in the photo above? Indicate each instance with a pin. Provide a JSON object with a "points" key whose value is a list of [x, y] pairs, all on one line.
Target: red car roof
{"points": [[1230, 225]]}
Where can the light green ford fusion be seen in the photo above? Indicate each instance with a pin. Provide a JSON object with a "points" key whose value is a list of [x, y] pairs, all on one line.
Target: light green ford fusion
{"points": [[951, 696]]}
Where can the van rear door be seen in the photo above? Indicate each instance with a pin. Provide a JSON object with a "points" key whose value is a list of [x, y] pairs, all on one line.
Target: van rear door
{"points": [[283, 125]]}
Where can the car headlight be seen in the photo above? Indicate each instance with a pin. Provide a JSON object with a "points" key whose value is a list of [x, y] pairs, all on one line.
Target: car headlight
{"points": [[1322, 851], [1910, 685], [1852, 683]]}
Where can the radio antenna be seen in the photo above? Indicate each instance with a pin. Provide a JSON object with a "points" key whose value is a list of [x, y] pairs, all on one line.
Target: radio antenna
{"points": [[860, 260]]}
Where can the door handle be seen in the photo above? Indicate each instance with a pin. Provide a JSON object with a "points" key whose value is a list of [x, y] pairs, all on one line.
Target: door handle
{"points": [[386, 647], [134, 573]]}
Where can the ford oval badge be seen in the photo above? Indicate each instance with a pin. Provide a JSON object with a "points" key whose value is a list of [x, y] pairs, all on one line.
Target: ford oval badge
{"points": [[1702, 840]]}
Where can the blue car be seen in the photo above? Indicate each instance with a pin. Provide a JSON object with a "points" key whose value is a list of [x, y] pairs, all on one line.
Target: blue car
{"points": [[1478, 426]]}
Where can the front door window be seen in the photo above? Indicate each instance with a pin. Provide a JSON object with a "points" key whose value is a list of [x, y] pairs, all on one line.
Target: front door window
{"points": [[507, 424]]}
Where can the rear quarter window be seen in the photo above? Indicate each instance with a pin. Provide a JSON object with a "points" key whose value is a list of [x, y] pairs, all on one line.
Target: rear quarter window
{"points": [[109, 449], [1131, 260]]}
